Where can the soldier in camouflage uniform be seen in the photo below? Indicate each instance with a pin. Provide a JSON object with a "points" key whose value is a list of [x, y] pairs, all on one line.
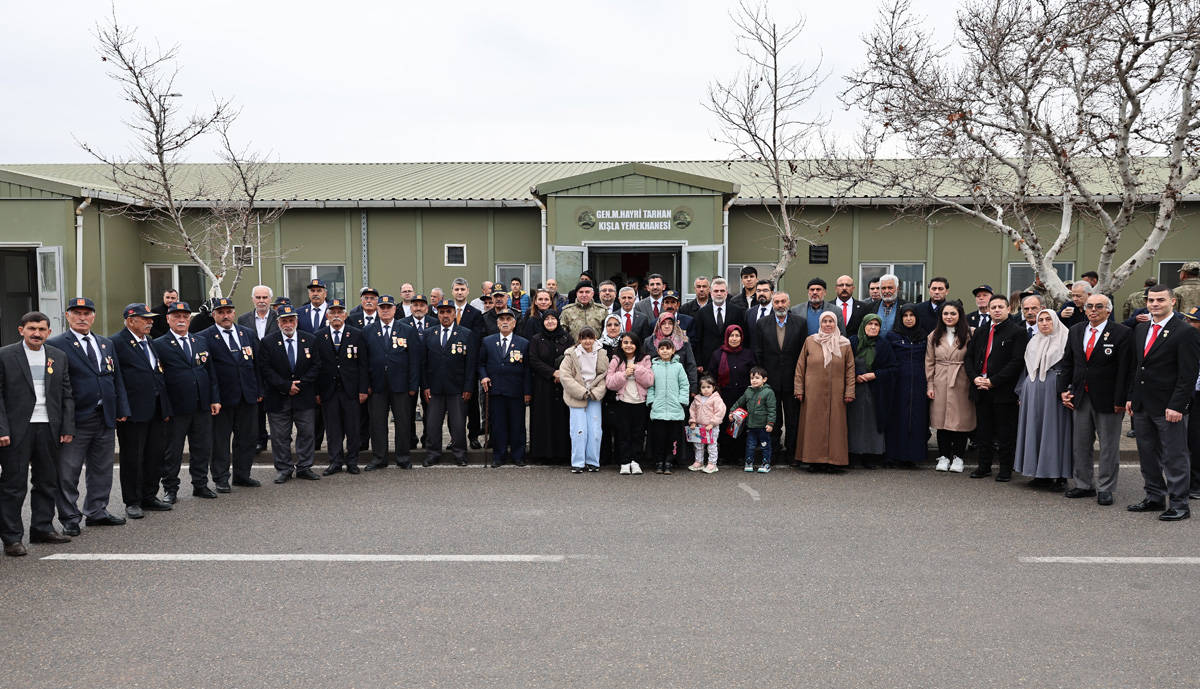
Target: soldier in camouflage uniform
{"points": [[1137, 299], [583, 312], [1187, 294]]}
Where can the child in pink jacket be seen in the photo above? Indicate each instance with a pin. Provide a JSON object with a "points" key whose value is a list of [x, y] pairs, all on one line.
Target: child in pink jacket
{"points": [[707, 411]]}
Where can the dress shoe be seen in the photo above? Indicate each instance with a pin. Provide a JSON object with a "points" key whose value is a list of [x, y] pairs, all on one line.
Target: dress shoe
{"points": [[519, 463], [475, 445], [1171, 515], [204, 492], [1194, 495], [247, 482], [260, 447], [282, 476], [1040, 483], [376, 464], [1104, 498], [333, 469], [308, 474], [134, 512], [404, 465], [1147, 505], [170, 497], [156, 505], [1080, 493], [462, 462], [223, 488], [1003, 476], [47, 537], [71, 529], [430, 462], [981, 473], [1059, 485], [106, 520], [496, 465], [353, 469], [15, 549]]}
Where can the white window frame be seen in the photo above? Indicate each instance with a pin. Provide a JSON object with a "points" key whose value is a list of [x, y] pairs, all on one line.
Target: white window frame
{"points": [[1010, 288], [312, 273], [864, 284], [446, 256], [247, 249], [157, 298], [1172, 278]]}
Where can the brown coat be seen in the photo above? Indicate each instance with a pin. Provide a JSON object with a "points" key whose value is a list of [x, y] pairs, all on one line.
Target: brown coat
{"points": [[951, 408], [822, 436]]}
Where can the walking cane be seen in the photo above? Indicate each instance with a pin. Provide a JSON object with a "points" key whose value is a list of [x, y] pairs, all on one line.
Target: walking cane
{"points": [[487, 424]]}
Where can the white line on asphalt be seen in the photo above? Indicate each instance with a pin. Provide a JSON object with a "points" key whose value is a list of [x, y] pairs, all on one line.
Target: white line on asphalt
{"points": [[1074, 560], [298, 557], [753, 493]]}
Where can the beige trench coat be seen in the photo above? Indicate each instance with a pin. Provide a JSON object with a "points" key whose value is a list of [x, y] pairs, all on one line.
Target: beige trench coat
{"points": [[951, 409], [822, 436]]}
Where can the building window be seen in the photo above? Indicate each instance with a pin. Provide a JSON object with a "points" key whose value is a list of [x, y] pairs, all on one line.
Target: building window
{"points": [[505, 272], [297, 278], [186, 278], [1168, 273], [245, 254], [1020, 275], [911, 276], [456, 254]]}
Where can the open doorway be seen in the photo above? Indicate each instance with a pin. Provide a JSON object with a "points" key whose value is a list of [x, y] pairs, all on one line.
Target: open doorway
{"points": [[19, 296], [611, 263]]}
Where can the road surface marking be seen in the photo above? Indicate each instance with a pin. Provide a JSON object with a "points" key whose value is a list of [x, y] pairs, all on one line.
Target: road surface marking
{"points": [[753, 493], [297, 557], [1075, 560]]}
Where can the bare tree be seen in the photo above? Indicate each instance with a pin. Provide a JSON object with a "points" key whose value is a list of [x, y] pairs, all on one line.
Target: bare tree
{"points": [[762, 113], [1040, 111], [207, 214]]}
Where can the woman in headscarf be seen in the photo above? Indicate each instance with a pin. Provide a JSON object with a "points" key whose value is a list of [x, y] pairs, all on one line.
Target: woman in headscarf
{"points": [[1043, 423], [610, 342], [667, 328], [542, 301], [731, 364], [549, 418], [824, 385], [874, 370], [908, 422], [951, 410]]}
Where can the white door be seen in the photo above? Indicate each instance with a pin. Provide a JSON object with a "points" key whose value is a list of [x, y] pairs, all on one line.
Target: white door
{"points": [[51, 297], [702, 259], [565, 265]]}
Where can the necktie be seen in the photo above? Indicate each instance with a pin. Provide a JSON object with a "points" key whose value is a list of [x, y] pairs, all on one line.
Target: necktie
{"points": [[1031, 332], [232, 345], [845, 312], [387, 333], [503, 346], [629, 322], [183, 342], [445, 335], [370, 320], [720, 321], [988, 352], [91, 353], [458, 317], [655, 309], [1091, 343], [337, 339], [1153, 337], [316, 319], [762, 312], [145, 347], [291, 354]]}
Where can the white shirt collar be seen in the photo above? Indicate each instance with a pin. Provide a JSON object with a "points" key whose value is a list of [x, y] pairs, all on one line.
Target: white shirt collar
{"points": [[1163, 322], [80, 337], [1099, 328]]}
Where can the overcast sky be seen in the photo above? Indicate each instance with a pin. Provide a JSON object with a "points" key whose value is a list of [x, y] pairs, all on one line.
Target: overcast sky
{"points": [[358, 81]]}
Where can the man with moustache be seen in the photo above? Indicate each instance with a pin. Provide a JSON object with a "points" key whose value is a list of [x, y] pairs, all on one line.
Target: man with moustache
{"points": [[234, 350], [929, 312], [261, 319], [889, 302], [852, 310], [448, 382], [760, 307], [713, 319], [342, 385], [632, 320], [702, 288], [289, 363], [810, 312], [777, 344], [607, 298], [423, 323]]}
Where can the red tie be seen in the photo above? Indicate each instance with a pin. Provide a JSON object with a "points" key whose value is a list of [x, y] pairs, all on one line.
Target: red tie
{"points": [[1153, 336], [988, 352], [845, 313], [656, 310], [1091, 343], [628, 323]]}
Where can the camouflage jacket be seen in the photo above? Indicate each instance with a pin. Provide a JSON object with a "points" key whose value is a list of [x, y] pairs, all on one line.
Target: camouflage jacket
{"points": [[1133, 302], [1187, 294], [574, 317]]}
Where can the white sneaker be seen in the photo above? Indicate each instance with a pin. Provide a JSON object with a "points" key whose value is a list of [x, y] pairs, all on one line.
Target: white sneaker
{"points": [[635, 468], [710, 469], [696, 466], [957, 465], [943, 464], [624, 468]]}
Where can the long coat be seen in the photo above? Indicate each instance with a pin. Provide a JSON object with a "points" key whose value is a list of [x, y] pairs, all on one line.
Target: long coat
{"points": [[951, 408], [821, 435], [908, 424], [549, 418]]}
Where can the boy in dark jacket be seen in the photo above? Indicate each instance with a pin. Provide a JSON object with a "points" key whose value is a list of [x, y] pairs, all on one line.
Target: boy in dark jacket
{"points": [[759, 403]]}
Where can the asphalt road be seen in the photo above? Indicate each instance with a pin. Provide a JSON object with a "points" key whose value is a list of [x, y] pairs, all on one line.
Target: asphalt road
{"points": [[885, 578]]}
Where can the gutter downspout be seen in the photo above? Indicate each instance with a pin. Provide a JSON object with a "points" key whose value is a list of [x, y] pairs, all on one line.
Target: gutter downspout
{"points": [[725, 231], [79, 245], [542, 206]]}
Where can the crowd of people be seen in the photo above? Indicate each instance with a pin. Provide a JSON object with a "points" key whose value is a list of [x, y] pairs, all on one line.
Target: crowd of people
{"points": [[607, 374]]}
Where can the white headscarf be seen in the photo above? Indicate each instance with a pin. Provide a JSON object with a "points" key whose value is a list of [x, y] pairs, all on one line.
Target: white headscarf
{"points": [[1044, 350], [831, 343]]}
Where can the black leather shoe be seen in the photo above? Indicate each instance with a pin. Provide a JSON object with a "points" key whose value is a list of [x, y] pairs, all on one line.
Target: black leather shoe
{"points": [[981, 473], [353, 469], [1040, 483], [475, 445], [1059, 485], [1003, 476], [333, 469], [156, 505], [376, 464], [1172, 515], [1147, 505], [15, 549], [71, 529], [247, 482], [308, 475], [1104, 498], [1194, 495], [519, 463], [1081, 493], [106, 520], [404, 465], [260, 447], [47, 537], [283, 476], [170, 497], [430, 462], [204, 492], [496, 465], [224, 488], [462, 462]]}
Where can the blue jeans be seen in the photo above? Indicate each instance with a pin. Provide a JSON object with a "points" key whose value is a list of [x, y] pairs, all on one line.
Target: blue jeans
{"points": [[758, 438], [585, 435]]}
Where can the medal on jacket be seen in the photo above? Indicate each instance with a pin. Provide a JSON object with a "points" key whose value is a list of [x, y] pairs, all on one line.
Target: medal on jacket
{"points": [[306, 353], [514, 355], [49, 365], [351, 350], [248, 353], [109, 363]]}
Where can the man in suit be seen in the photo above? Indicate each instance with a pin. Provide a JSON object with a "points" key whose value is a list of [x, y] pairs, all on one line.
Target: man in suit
{"points": [[159, 328], [99, 403], [289, 363], [395, 352], [1193, 319], [1162, 383], [633, 320], [809, 313], [606, 296], [143, 435], [929, 311], [377, 339], [652, 305], [1093, 383], [1031, 305], [713, 319], [980, 317], [703, 289], [192, 390], [747, 294], [37, 416], [994, 362], [491, 323], [261, 319], [470, 318], [234, 350], [777, 345], [448, 382], [419, 319], [367, 310], [852, 310], [889, 302], [506, 380], [311, 318], [342, 385], [760, 307]]}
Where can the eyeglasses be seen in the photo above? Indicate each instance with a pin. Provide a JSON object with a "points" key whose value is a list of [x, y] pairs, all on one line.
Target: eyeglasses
{"points": [[1095, 307]]}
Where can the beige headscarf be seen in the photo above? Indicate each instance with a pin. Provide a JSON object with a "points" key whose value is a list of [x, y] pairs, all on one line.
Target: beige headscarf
{"points": [[1044, 351], [831, 343]]}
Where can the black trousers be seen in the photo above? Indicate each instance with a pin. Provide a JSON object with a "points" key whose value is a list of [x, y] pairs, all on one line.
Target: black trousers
{"points": [[952, 444], [608, 430], [665, 440], [263, 427], [397, 409], [340, 411], [788, 410], [236, 423], [196, 429], [452, 410], [507, 416], [631, 432], [37, 449], [995, 431], [143, 453], [1193, 441], [364, 425]]}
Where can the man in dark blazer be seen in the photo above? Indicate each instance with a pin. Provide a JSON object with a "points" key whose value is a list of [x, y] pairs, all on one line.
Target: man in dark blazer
{"points": [[506, 380], [234, 350], [310, 319], [746, 294], [99, 403], [471, 318], [1093, 383], [289, 363], [712, 320], [143, 435], [929, 311], [261, 319], [633, 320], [851, 310], [394, 358], [448, 382], [809, 313], [169, 297], [994, 362], [419, 319], [367, 311], [980, 317], [1162, 383], [760, 307], [37, 416], [188, 371], [342, 386], [777, 344]]}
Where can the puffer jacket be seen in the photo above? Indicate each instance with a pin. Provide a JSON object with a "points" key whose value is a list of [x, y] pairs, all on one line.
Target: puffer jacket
{"points": [[643, 376], [709, 413], [759, 404], [577, 392], [669, 393]]}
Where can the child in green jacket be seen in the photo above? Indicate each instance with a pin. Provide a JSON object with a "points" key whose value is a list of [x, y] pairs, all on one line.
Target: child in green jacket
{"points": [[666, 399], [759, 402]]}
